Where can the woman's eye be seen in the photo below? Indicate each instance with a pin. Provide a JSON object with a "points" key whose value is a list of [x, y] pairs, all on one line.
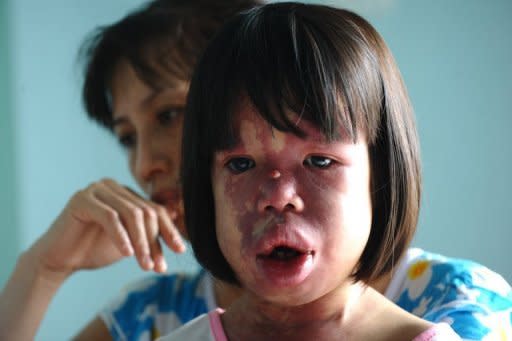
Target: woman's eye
{"points": [[318, 161], [240, 164], [127, 140], [167, 116]]}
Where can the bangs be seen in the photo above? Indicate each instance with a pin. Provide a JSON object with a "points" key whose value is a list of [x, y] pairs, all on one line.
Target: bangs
{"points": [[341, 93]]}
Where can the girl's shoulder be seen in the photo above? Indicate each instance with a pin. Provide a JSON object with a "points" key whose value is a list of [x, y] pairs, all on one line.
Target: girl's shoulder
{"points": [[473, 299], [158, 304]]}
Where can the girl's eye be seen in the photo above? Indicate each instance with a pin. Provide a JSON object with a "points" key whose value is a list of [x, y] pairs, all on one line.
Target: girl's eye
{"points": [[240, 164], [127, 140], [167, 116], [318, 161]]}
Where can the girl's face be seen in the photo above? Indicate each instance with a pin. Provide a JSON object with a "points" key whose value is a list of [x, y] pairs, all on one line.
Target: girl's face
{"points": [[148, 124], [292, 215]]}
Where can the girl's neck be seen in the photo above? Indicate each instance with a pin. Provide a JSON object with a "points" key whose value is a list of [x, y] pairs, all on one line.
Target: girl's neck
{"points": [[225, 293], [318, 319], [354, 313]]}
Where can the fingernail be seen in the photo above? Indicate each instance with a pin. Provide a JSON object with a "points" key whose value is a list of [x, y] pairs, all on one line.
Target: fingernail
{"points": [[180, 246], [147, 262], [162, 265]]}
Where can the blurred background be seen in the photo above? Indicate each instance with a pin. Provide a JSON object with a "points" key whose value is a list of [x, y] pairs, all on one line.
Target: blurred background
{"points": [[455, 57]]}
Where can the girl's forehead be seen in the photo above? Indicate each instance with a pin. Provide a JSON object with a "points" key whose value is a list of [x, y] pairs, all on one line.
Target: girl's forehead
{"points": [[246, 118], [246, 113]]}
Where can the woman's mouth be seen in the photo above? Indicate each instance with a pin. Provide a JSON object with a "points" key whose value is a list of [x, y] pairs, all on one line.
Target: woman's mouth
{"points": [[168, 198]]}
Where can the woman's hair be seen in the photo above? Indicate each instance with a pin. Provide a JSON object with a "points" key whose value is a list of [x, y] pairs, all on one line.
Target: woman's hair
{"points": [[162, 41], [330, 67]]}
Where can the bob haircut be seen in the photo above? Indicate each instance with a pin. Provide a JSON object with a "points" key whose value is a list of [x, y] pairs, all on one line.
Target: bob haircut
{"points": [[162, 41], [333, 69]]}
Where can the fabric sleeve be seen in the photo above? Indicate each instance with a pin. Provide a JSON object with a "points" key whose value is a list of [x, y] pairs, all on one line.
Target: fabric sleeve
{"points": [[475, 301], [154, 306]]}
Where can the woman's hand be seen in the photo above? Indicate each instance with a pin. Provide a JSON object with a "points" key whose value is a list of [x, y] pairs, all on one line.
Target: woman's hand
{"points": [[102, 224]]}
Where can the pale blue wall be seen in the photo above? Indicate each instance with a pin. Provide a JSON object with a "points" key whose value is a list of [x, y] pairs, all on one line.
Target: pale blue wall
{"points": [[10, 233], [454, 55], [456, 58]]}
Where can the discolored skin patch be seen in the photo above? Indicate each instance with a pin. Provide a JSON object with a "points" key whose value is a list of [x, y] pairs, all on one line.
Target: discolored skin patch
{"points": [[277, 189]]}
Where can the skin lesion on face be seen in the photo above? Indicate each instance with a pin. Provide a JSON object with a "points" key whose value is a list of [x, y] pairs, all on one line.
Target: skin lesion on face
{"points": [[263, 224], [250, 139], [331, 179]]}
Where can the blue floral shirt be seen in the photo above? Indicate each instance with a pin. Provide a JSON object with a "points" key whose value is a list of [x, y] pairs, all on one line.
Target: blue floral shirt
{"points": [[475, 301]]}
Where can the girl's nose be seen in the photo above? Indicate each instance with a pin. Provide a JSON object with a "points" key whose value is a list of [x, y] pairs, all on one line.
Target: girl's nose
{"points": [[278, 192]]}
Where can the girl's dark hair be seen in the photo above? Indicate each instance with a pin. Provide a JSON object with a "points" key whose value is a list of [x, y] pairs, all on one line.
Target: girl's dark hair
{"points": [[333, 69], [162, 40]]}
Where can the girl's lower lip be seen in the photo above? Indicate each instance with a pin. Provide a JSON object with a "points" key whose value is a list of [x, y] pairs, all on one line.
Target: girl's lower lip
{"points": [[287, 273]]}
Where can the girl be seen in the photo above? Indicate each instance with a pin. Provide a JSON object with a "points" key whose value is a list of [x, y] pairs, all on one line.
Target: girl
{"points": [[300, 151], [122, 71]]}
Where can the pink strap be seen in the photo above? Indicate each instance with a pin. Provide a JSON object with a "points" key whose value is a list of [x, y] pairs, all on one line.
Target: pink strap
{"points": [[437, 332], [216, 325]]}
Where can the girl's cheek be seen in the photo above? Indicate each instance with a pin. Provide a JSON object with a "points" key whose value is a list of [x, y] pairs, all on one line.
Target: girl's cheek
{"points": [[241, 195], [237, 202], [230, 202]]}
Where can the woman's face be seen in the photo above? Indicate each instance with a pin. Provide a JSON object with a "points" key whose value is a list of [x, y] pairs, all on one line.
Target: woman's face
{"points": [[148, 124], [293, 215]]}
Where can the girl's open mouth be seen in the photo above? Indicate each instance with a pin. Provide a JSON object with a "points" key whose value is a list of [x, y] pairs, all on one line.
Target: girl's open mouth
{"points": [[285, 266], [284, 253]]}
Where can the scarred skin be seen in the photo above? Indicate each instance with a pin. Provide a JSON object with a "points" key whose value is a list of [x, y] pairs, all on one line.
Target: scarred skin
{"points": [[283, 199]]}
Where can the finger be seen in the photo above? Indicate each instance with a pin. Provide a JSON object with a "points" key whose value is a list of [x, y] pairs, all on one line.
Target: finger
{"points": [[152, 232], [124, 191], [164, 225], [167, 229], [132, 217], [109, 220], [160, 263], [169, 232]]}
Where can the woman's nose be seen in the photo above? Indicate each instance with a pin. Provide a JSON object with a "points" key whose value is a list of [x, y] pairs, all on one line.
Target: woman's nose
{"points": [[149, 161], [278, 192]]}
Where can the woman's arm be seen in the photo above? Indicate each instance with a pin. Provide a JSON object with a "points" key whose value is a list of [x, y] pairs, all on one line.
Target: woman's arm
{"points": [[99, 226], [25, 298]]}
